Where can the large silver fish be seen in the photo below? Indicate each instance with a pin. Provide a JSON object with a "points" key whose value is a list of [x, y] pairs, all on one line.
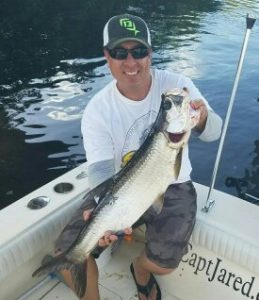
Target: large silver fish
{"points": [[125, 197]]}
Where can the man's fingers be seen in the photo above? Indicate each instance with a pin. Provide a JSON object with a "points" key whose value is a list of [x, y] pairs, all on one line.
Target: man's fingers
{"points": [[128, 231], [196, 104], [86, 214], [107, 239], [57, 252], [200, 106]]}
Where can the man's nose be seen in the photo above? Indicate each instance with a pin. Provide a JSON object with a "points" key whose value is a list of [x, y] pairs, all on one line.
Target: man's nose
{"points": [[130, 59]]}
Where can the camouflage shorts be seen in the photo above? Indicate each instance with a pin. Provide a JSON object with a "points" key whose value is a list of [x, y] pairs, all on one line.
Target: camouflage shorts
{"points": [[168, 232]]}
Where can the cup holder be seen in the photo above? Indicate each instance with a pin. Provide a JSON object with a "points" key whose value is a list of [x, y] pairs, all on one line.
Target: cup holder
{"points": [[63, 187], [38, 202]]}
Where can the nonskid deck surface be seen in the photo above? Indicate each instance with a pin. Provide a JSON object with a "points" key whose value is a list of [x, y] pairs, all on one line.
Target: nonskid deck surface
{"points": [[115, 281]]}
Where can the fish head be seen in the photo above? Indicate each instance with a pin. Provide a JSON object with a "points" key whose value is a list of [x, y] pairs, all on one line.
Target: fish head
{"points": [[179, 116]]}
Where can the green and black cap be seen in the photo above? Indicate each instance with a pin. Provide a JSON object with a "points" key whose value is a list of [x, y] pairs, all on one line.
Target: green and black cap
{"points": [[124, 28]]}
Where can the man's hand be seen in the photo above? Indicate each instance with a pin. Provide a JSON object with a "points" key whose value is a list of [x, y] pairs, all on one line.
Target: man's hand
{"points": [[109, 236], [200, 105]]}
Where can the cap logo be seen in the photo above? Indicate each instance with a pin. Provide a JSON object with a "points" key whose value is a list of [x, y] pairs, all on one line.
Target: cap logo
{"points": [[129, 25]]}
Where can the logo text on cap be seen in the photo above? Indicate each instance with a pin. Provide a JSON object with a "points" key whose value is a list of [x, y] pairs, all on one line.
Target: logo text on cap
{"points": [[129, 25]]}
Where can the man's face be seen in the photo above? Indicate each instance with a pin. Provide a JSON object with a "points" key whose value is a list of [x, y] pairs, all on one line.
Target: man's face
{"points": [[130, 72]]}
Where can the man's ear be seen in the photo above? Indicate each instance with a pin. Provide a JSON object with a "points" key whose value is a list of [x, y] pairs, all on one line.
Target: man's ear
{"points": [[150, 53], [106, 54]]}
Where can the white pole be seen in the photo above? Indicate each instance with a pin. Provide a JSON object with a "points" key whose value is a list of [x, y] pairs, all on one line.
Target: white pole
{"points": [[249, 25]]}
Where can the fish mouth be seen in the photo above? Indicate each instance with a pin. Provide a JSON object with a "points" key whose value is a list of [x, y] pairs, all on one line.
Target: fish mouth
{"points": [[175, 137]]}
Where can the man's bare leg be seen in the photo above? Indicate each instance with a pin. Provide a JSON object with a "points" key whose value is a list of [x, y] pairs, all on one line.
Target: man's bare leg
{"points": [[143, 267]]}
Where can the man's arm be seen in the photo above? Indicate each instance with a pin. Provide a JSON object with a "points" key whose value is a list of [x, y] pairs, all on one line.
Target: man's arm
{"points": [[210, 123], [212, 129], [99, 171]]}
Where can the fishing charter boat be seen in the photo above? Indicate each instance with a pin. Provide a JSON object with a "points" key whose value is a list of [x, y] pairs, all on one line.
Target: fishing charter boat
{"points": [[223, 257]]}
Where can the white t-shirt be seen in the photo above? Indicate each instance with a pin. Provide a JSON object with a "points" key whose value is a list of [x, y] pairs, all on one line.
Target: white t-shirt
{"points": [[113, 125]]}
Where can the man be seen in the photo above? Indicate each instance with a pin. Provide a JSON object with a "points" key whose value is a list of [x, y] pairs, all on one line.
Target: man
{"points": [[115, 123]]}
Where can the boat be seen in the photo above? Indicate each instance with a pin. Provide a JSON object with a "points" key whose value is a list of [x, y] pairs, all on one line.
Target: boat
{"points": [[222, 262]]}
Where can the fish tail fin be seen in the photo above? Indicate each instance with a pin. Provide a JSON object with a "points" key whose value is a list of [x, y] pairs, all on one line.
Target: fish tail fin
{"points": [[78, 273], [53, 264], [61, 262]]}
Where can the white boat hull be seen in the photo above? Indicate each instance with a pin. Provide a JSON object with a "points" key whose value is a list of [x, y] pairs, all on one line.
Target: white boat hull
{"points": [[223, 261]]}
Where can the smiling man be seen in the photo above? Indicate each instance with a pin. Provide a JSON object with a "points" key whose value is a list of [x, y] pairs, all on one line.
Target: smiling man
{"points": [[115, 124], [130, 65]]}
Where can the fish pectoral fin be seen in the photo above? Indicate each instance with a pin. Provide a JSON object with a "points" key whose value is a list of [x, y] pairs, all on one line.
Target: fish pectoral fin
{"points": [[78, 274], [158, 203]]}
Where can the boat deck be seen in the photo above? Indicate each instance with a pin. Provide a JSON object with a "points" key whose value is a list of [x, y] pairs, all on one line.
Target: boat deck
{"points": [[115, 282]]}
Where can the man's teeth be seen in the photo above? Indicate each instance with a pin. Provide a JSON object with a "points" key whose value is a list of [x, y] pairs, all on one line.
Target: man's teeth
{"points": [[131, 73]]}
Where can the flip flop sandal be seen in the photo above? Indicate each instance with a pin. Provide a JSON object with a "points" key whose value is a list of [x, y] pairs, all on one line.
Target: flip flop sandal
{"points": [[146, 290]]}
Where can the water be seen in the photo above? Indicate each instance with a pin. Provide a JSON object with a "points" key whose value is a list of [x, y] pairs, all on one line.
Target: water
{"points": [[51, 64]]}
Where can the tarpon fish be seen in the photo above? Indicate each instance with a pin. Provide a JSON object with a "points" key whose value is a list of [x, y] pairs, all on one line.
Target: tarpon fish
{"points": [[125, 197]]}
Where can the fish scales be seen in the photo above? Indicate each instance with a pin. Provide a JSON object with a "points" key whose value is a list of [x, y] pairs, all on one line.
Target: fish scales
{"points": [[149, 177]]}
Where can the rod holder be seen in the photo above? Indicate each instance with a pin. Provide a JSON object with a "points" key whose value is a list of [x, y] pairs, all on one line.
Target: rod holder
{"points": [[249, 22]]}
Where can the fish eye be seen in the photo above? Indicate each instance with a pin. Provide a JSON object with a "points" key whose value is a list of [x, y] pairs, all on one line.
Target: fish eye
{"points": [[167, 104]]}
